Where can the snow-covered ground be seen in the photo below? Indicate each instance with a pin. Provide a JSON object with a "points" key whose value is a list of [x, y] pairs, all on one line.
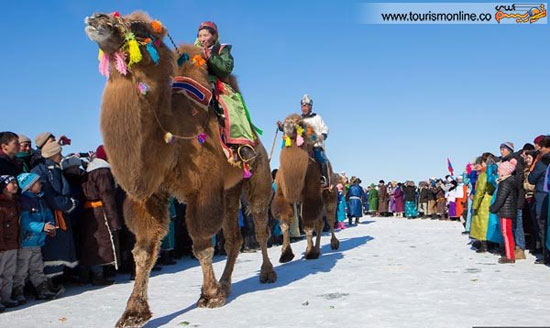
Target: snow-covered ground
{"points": [[388, 272]]}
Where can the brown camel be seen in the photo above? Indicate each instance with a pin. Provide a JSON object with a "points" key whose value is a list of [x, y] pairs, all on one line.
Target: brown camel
{"points": [[299, 182], [137, 111]]}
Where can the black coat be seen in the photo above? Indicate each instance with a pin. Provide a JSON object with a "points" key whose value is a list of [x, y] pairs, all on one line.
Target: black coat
{"points": [[9, 166], [520, 177], [505, 204], [410, 193]]}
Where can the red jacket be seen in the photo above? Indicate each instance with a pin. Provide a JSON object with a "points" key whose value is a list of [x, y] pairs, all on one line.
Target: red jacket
{"points": [[10, 213]]}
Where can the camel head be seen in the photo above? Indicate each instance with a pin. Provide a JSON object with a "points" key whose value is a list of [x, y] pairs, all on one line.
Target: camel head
{"points": [[112, 32], [296, 130]]}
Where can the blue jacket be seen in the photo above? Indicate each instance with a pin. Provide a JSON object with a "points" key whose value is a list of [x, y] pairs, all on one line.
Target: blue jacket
{"points": [[56, 188], [34, 215], [354, 196], [536, 177]]}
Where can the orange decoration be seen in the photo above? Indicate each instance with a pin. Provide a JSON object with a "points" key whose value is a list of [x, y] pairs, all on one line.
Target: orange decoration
{"points": [[198, 60], [147, 40], [157, 26]]}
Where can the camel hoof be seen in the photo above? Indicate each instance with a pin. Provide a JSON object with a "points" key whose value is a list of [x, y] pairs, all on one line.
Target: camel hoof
{"points": [[268, 276], [286, 256], [211, 302], [312, 255], [133, 319], [334, 243]]}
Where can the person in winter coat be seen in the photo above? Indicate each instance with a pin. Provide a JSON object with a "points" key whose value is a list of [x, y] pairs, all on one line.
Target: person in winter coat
{"points": [[505, 206], [341, 210], [100, 224], [10, 210], [36, 222], [538, 177], [59, 251], [399, 200], [383, 198], [373, 200], [354, 196], [9, 147], [409, 192], [482, 200], [24, 155]]}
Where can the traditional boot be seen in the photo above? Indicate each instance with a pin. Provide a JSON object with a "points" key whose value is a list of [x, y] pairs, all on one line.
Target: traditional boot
{"points": [[504, 260], [482, 248], [10, 303], [19, 295], [519, 254], [98, 279], [43, 292], [324, 175], [246, 153]]}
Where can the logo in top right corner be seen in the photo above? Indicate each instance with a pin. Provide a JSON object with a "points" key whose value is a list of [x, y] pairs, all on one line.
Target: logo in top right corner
{"points": [[521, 13]]}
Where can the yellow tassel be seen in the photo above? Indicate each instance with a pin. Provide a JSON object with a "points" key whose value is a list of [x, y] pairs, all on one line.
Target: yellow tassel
{"points": [[288, 142], [133, 49], [99, 55], [300, 130]]}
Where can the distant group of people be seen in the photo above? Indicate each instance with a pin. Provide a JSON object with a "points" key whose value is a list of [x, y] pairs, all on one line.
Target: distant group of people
{"points": [[502, 201]]}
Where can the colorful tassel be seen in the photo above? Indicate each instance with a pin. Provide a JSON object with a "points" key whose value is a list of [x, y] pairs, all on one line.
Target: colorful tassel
{"points": [[201, 138], [288, 142], [104, 64], [183, 58], [300, 130], [169, 138], [153, 53], [143, 88], [246, 171], [198, 60], [299, 140], [157, 26], [133, 49], [120, 63], [116, 14]]}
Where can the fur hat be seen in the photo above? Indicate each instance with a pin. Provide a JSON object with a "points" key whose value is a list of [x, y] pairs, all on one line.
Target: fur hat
{"points": [[41, 139], [507, 167], [5, 180], [24, 139], [27, 180], [508, 145], [51, 149], [70, 161]]}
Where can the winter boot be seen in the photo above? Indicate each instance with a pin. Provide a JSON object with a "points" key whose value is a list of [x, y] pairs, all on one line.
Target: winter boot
{"points": [[2, 308], [482, 248], [19, 295], [43, 292], [504, 260], [98, 279], [519, 254], [10, 303]]}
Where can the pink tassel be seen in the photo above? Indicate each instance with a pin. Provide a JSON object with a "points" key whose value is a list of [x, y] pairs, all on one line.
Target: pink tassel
{"points": [[299, 140], [104, 65], [120, 63], [246, 171]]}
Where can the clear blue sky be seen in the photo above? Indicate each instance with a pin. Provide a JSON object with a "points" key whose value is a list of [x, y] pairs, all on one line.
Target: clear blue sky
{"points": [[398, 99]]}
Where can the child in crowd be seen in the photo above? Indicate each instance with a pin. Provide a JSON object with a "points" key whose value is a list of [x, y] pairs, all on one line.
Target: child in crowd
{"points": [[341, 209], [10, 210], [505, 206], [36, 221]]}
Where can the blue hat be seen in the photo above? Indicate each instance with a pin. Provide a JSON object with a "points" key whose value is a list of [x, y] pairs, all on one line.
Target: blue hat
{"points": [[5, 180], [26, 180]]}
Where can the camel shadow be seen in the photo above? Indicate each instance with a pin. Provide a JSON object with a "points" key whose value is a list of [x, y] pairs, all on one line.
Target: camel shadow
{"points": [[286, 273]]}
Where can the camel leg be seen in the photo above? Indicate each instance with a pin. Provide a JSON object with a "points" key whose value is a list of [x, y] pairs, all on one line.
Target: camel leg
{"points": [[259, 202], [204, 218], [319, 232], [286, 250], [312, 220], [149, 222], [330, 204], [284, 213], [232, 235]]}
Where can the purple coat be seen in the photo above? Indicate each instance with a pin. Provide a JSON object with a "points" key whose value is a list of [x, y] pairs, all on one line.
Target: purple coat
{"points": [[399, 200]]}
